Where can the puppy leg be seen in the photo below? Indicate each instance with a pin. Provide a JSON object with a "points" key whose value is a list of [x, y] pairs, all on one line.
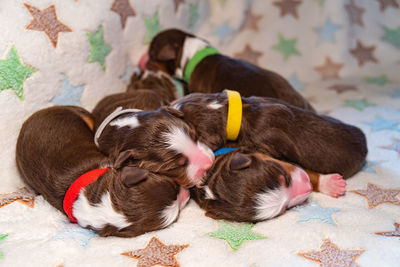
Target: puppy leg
{"points": [[330, 184]]}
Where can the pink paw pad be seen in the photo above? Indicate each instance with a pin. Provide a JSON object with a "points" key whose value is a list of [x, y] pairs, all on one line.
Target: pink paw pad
{"points": [[332, 184]]}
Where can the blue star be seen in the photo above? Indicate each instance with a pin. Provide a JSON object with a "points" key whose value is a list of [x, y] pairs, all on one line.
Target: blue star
{"points": [[75, 232], [70, 95], [380, 124], [395, 94], [222, 31], [313, 211], [368, 166], [296, 83], [327, 32]]}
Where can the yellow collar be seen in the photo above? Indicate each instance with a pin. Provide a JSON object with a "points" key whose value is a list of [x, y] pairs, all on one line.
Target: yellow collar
{"points": [[234, 115]]}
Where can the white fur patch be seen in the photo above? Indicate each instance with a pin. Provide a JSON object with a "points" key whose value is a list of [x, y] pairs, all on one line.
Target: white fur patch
{"points": [[177, 106], [190, 47], [208, 194], [204, 148], [214, 105], [170, 213], [118, 111], [179, 140], [271, 203], [98, 215], [131, 121]]}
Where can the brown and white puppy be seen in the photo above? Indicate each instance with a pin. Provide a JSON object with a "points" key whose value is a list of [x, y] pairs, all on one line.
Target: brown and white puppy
{"points": [[251, 187], [171, 50], [141, 99], [157, 81], [156, 140], [314, 142], [55, 147]]}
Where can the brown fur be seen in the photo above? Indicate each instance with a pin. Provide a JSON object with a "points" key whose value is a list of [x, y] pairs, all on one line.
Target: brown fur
{"points": [[143, 99], [235, 189], [159, 82], [218, 72], [142, 146], [316, 142], [55, 147]]}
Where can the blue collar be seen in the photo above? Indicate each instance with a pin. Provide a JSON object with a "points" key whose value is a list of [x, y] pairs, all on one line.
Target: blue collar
{"points": [[224, 150]]}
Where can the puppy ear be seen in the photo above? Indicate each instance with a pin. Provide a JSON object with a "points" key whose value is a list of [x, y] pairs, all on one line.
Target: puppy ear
{"points": [[172, 111], [167, 52], [240, 161], [133, 175], [123, 157]]}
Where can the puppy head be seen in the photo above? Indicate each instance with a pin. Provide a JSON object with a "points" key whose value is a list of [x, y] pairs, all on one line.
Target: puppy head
{"points": [[135, 202], [208, 114], [158, 141], [251, 187], [156, 81], [165, 50]]}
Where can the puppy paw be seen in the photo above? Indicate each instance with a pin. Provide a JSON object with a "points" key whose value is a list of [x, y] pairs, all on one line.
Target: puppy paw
{"points": [[332, 184]]}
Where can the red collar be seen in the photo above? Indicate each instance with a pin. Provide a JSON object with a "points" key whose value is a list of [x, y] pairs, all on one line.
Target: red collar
{"points": [[74, 189]]}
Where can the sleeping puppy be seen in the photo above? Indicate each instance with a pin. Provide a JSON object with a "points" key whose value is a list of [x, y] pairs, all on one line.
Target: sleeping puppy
{"points": [[148, 90], [251, 187], [314, 142], [192, 59], [141, 99], [156, 140], [55, 149], [159, 82]]}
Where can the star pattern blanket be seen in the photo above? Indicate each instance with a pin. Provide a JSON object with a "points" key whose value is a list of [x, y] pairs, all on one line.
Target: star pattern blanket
{"points": [[342, 55]]}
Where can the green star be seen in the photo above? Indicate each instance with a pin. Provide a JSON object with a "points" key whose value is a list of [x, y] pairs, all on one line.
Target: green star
{"points": [[2, 237], [321, 2], [13, 73], [379, 80], [287, 47], [235, 234], [392, 36], [193, 14], [153, 27], [359, 104], [100, 49]]}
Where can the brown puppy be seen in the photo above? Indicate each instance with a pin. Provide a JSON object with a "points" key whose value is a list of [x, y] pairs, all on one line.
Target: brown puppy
{"points": [[172, 51], [141, 99], [251, 187], [147, 90], [156, 140], [314, 142], [159, 82], [55, 147]]}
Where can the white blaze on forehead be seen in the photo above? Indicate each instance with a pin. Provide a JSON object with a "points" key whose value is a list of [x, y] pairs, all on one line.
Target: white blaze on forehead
{"points": [[270, 203], [179, 140], [191, 46], [99, 214], [214, 105], [170, 213], [131, 121]]}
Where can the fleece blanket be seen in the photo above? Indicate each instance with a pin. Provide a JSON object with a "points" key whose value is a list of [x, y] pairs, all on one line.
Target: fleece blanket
{"points": [[342, 55]]}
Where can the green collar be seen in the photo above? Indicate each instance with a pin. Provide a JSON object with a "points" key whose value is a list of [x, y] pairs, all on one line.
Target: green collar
{"points": [[199, 56]]}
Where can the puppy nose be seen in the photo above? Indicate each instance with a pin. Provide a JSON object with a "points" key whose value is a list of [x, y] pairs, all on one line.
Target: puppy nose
{"points": [[183, 197], [143, 61], [203, 163], [300, 188]]}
